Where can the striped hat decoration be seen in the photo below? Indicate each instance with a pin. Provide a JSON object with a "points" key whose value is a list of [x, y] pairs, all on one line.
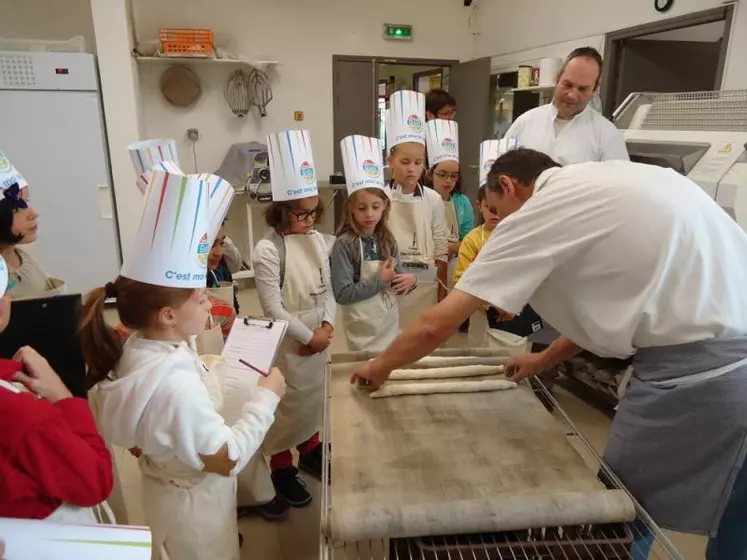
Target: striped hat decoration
{"points": [[442, 141], [406, 121], [153, 154], [220, 195], [361, 160], [292, 170], [171, 245]]}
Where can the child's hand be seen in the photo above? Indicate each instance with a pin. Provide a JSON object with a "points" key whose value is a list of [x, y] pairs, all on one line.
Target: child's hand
{"points": [[387, 271], [403, 283], [39, 377], [275, 382], [329, 329], [319, 342]]}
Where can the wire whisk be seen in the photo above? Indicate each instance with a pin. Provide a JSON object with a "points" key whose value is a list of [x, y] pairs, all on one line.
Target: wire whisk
{"points": [[239, 93], [261, 90]]}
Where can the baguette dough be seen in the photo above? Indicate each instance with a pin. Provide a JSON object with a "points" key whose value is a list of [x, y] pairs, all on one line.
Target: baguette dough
{"points": [[445, 372], [402, 389], [456, 361]]}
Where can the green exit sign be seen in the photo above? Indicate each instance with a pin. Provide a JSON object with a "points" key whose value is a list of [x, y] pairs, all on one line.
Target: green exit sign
{"points": [[398, 32]]}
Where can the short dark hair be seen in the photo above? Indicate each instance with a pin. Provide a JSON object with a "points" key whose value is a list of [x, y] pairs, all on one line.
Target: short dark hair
{"points": [[437, 99], [585, 52], [522, 164], [277, 214], [8, 208]]}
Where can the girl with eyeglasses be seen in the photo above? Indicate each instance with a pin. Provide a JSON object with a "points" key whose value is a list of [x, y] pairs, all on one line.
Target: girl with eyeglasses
{"points": [[442, 139], [291, 271]]}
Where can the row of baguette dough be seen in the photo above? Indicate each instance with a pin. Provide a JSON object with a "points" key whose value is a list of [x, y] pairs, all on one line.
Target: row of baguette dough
{"points": [[460, 367]]}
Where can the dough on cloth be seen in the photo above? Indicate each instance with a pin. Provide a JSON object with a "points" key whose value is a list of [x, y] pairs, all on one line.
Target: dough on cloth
{"points": [[403, 389], [454, 361], [445, 372]]}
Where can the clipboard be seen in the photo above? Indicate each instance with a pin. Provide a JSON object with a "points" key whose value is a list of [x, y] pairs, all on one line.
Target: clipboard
{"points": [[50, 326], [255, 340]]}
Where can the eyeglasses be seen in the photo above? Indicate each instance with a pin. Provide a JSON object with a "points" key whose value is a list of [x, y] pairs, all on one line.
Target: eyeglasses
{"points": [[443, 175], [303, 216], [446, 114]]}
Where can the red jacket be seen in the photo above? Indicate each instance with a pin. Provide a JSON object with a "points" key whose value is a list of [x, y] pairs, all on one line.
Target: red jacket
{"points": [[49, 454]]}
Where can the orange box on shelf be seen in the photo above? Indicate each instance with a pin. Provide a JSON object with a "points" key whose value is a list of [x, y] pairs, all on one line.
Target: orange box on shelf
{"points": [[186, 42]]}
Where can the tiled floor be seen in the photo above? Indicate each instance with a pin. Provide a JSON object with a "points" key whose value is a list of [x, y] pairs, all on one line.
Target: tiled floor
{"points": [[298, 537]]}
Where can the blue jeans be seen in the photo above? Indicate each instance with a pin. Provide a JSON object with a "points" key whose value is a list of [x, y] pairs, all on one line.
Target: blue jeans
{"points": [[730, 542]]}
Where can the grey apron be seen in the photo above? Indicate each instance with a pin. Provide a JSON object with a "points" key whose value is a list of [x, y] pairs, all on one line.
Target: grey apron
{"points": [[677, 444]]}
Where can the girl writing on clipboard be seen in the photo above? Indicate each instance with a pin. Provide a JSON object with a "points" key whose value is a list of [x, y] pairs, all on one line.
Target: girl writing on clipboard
{"points": [[291, 270], [152, 391]]}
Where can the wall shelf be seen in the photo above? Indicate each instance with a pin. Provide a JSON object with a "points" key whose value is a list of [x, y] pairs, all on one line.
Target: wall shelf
{"points": [[260, 64]]}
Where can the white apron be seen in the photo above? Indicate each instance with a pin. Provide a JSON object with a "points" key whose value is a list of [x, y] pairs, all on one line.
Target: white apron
{"points": [[191, 514], [299, 414], [372, 324], [453, 223], [254, 485], [480, 334], [410, 223], [223, 292]]}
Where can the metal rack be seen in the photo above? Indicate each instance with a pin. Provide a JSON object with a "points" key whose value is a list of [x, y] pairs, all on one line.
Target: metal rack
{"points": [[589, 542]]}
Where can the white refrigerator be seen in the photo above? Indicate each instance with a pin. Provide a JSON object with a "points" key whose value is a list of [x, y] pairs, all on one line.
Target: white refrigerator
{"points": [[52, 130]]}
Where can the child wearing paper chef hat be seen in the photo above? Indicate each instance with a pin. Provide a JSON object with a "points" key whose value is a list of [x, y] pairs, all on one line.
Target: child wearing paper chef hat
{"points": [[152, 391], [417, 217], [365, 259], [291, 270], [442, 140], [18, 226]]}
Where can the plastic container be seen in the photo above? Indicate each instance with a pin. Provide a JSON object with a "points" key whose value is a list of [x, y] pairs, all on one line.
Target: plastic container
{"points": [[186, 42]]}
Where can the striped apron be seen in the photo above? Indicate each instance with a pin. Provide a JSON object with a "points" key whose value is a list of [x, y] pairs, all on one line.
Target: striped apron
{"points": [[679, 437]]}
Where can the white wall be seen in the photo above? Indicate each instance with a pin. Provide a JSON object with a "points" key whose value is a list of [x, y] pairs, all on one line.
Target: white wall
{"points": [[303, 35], [513, 32], [47, 19]]}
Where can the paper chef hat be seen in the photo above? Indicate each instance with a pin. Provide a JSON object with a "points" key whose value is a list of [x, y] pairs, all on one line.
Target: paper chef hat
{"points": [[361, 159], [292, 171], [442, 141], [9, 175], [171, 246], [491, 150], [220, 195], [406, 120], [153, 154]]}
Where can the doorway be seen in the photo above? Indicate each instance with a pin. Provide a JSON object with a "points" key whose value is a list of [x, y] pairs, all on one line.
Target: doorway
{"points": [[362, 86], [686, 53]]}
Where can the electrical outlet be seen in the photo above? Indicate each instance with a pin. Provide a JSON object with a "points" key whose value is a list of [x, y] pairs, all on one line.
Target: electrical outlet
{"points": [[193, 134]]}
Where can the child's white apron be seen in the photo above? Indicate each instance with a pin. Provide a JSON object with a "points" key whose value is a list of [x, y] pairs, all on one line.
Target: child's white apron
{"points": [[453, 223], [410, 223], [370, 325], [299, 414]]}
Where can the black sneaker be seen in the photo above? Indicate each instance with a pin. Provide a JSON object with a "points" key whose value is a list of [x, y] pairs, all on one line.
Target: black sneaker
{"points": [[290, 487], [312, 462], [276, 510]]}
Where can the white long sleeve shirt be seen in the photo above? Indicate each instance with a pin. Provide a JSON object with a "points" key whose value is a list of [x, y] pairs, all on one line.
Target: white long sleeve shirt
{"points": [[618, 256], [439, 226], [159, 403], [268, 260], [588, 136]]}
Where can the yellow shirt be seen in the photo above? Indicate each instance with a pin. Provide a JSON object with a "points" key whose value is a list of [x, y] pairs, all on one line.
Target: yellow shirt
{"points": [[471, 245]]}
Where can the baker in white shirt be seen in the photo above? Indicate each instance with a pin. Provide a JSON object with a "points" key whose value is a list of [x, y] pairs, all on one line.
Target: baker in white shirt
{"points": [[569, 130], [625, 259]]}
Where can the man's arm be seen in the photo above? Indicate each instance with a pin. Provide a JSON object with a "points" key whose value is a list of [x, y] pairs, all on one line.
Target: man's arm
{"points": [[424, 335]]}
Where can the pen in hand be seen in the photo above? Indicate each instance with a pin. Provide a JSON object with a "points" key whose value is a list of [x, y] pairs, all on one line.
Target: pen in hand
{"points": [[255, 368]]}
